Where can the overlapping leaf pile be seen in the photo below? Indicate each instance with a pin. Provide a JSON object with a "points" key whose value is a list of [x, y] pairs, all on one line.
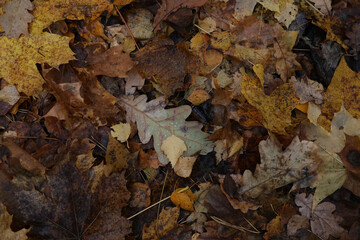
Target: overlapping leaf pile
{"points": [[255, 104]]}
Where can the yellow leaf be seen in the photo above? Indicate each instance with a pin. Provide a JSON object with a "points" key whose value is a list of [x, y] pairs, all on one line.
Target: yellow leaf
{"points": [[276, 108], [343, 89], [236, 146], [117, 156], [198, 96], [47, 12], [259, 71], [184, 166], [121, 131], [173, 147], [184, 199], [167, 220], [18, 59]]}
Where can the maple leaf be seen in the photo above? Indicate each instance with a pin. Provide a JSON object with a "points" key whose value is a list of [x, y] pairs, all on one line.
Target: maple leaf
{"points": [[5, 230], [276, 108], [279, 168], [153, 120], [16, 18], [46, 12], [343, 89], [19, 58], [169, 6], [323, 222]]}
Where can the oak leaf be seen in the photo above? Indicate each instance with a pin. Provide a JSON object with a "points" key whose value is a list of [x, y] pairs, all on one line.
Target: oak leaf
{"points": [[323, 222], [154, 121], [169, 6], [19, 59], [279, 168], [16, 18]]}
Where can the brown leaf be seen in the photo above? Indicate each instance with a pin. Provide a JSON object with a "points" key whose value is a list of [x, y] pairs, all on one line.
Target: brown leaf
{"points": [[117, 156], [5, 230], [183, 199], [113, 62], [295, 223], [140, 195], [274, 228], [169, 6], [167, 62], [323, 221]]}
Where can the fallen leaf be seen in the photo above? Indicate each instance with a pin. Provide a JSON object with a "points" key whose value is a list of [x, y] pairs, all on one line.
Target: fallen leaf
{"points": [[287, 13], [117, 156], [276, 108], [121, 131], [16, 18], [140, 195], [295, 223], [133, 81], [323, 222], [208, 25], [343, 89], [8, 96], [183, 199], [166, 221], [274, 228], [183, 166], [139, 21], [323, 5], [169, 6], [113, 62], [19, 59], [48, 12], [173, 147], [5, 230], [153, 120], [308, 90], [279, 168], [198, 96]]}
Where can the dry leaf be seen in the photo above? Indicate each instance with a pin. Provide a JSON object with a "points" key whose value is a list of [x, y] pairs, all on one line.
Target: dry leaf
{"points": [[9, 96], [323, 222], [133, 81], [198, 96], [16, 18], [308, 90], [140, 23], [183, 166], [153, 120], [274, 228], [121, 131], [117, 156], [166, 222], [279, 168], [323, 5], [184, 199], [19, 59], [113, 62], [169, 6], [287, 13], [5, 230], [295, 223], [140, 195], [173, 147]]}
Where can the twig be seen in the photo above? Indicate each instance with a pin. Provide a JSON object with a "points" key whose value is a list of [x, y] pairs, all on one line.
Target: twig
{"points": [[240, 228]]}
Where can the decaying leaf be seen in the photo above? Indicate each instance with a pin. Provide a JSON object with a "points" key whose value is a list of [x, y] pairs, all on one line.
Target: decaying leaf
{"points": [[274, 228], [308, 90], [47, 12], [169, 6], [276, 108], [117, 156], [140, 195], [19, 58], [5, 231], [153, 120], [322, 220], [295, 223], [343, 89], [167, 220], [16, 18], [279, 168]]}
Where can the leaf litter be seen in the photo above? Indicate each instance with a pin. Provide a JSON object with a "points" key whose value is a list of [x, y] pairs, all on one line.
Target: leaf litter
{"points": [[254, 104]]}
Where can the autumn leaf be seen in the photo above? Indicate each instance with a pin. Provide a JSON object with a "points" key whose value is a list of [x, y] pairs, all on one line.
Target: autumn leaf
{"points": [[169, 6], [121, 131], [343, 89], [184, 199], [279, 168], [276, 108], [322, 220], [5, 230], [48, 12], [16, 18], [9, 96], [19, 59], [153, 120], [173, 147], [117, 156]]}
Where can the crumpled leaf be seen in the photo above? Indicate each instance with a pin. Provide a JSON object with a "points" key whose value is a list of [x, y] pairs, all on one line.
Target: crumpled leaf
{"points": [[16, 18], [276, 108], [183, 199], [279, 168], [19, 58], [323, 222], [46, 12], [153, 120], [308, 90], [169, 6], [5, 230], [166, 222], [343, 89]]}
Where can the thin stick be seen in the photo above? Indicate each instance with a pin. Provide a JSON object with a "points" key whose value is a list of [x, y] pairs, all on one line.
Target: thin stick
{"points": [[158, 211], [151, 206], [314, 7], [127, 27]]}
